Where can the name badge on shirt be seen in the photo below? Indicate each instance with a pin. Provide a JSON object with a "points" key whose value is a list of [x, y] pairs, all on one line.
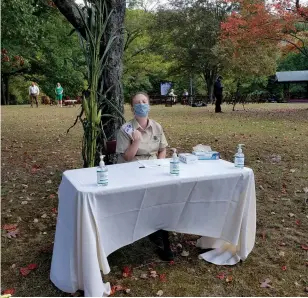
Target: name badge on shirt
{"points": [[128, 128]]}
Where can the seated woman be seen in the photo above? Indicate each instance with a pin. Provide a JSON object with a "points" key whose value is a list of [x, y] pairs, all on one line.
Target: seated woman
{"points": [[143, 138]]}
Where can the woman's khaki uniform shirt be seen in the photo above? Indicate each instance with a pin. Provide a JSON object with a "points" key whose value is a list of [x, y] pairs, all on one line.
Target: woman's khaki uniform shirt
{"points": [[152, 140]]}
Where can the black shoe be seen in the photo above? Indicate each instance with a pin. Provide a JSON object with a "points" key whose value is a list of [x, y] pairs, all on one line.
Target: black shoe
{"points": [[165, 255], [157, 239]]}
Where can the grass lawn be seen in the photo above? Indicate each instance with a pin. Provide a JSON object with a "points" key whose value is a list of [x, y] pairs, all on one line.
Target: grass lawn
{"points": [[36, 150]]}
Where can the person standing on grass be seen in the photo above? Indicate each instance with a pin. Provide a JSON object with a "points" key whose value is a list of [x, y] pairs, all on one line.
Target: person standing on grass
{"points": [[218, 89], [34, 92], [59, 94]]}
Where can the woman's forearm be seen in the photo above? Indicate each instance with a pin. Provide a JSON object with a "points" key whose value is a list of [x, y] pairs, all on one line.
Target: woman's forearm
{"points": [[131, 151], [162, 154]]}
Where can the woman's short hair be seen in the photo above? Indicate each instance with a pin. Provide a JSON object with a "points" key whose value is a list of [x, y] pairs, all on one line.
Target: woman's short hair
{"points": [[139, 93]]}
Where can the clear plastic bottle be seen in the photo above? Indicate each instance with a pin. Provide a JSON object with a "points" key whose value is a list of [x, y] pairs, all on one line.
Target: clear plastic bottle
{"points": [[239, 158], [174, 164], [102, 173]]}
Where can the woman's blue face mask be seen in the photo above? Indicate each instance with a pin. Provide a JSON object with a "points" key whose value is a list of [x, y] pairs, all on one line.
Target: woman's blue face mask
{"points": [[141, 109]]}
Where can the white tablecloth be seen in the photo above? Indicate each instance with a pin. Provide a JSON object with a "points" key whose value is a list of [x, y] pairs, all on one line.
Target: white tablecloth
{"points": [[210, 198]]}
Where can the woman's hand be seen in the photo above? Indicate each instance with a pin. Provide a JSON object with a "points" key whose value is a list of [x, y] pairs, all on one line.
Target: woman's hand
{"points": [[136, 136]]}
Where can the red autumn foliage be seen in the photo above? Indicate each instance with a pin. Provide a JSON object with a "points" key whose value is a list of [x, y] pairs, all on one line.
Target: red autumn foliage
{"points": [[258, 23]]}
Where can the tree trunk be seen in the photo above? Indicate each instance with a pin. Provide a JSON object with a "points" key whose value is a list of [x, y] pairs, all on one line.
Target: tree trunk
{"points": [[4, 90], [209, 77], [112, 75], [111, 78]]}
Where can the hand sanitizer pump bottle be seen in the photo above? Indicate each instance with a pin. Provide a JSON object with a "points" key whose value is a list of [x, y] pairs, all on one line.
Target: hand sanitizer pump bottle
{"points": [[239, 158], [102, 173], [174, 164]]}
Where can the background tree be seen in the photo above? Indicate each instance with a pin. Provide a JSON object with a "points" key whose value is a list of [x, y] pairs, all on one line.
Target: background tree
{"points": [[192, 28]]}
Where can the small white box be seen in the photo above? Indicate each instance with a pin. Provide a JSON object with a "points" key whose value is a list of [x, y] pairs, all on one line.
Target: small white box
{"points": [[188, 158]]}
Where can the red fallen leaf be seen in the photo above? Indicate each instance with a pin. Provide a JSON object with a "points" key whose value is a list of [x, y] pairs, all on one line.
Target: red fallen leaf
{"points": [[221, 275], [162, 277], [9, 292], [284, 268], [34, 169], [171, 263], [127, 271], [54, 210], [115, 289], [298, 222], [304, 247], [32, 266], [52, 196], [24, 271], [9, 227]]}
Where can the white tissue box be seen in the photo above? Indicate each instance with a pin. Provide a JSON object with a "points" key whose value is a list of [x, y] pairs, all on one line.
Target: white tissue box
{"points": [[210, 155], [188, 158]]}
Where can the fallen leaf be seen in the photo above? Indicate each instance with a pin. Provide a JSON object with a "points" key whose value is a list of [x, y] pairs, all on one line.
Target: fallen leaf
{"points": [[144, 276], [127, 271], [160, 293], [9, 292], [284, 268], [13, 266], [266, 283], [54, 210], [292, 170], [282, 253], [44, 215], [185, 253], [298, 222], [305, 190], [48, 182], [304, 247], [229, 278], [171, 263], [221, 275], [9, 227], [127, 291], [34, 169], [24, 271], [291, 214], [35, 220], [24, 185], [24, 202], [273, 213], [12, 234], [282, 244], [115, 289], [52, 196], [296, 283], [179, 246], [153, 274], [32, 266], [162, 277]]}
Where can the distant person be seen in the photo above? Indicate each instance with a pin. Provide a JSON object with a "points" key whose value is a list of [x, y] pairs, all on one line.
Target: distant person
{"points": [[185, 93], [59, 94], [171, 93], [34, 92], [218, 89]]}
